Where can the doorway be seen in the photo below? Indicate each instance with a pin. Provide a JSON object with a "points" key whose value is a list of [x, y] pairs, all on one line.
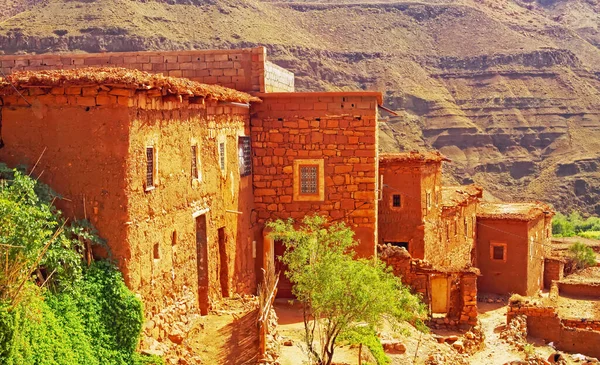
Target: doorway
{"points": [[202, 264], [224, 266], [284, 288], [439, 294]]}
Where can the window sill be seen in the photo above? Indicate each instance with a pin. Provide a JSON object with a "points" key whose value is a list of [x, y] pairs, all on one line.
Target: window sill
{"points": [[150, 188]]}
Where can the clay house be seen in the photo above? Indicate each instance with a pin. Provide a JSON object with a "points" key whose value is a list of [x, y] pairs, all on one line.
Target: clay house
{"points": [[420, 236], [161, 166], [513, 239]]}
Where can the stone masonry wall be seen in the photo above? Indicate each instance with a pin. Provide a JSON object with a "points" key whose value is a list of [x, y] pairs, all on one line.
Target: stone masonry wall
{"points": [[242, 69], [338, 131]]}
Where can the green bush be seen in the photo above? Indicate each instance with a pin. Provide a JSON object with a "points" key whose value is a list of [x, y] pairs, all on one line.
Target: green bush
{"points": [[575, 225], [368, 337], [582, 255], [53, 309]]}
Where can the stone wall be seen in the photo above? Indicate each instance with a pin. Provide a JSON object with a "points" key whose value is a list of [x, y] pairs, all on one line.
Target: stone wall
{"points": [[571, 335], [457, 240], [462, 306], [337, 132], [242, 69], [553, 271]]}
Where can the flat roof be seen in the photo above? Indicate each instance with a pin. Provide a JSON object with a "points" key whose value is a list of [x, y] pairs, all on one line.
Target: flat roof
{"points": [[314, 94], [412, 156], [453, 196], [121, 78], [513, 211]]}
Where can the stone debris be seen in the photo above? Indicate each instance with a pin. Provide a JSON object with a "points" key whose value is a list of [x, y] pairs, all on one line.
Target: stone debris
{"points": [[274, 341], [515, 333], [446, 359], [393, 346]]}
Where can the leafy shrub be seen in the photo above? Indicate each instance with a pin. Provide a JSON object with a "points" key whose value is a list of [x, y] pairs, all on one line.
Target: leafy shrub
{"points": [[582, 255], [367, 336], [574, 225]]}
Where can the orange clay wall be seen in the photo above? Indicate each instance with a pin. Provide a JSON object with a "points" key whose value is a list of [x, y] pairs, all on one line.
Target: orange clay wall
{"points": [[242, 69], [163, 218], [538, 230], [497, 276], [339, 130], [412, 222], [456, 250], [84, 159]]}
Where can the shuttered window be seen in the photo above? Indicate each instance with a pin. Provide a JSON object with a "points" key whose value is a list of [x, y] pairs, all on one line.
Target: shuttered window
{"points": [[149, 167], [309, 179], [245, 156], [222, 155]]}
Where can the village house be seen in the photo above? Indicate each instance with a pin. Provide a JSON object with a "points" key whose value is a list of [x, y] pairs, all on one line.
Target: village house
{"points": [[513, 240]]}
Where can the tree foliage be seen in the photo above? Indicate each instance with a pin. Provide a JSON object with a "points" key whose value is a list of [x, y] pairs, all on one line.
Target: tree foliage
{"points": [[338, 291], [575, 225], [582, 255]]}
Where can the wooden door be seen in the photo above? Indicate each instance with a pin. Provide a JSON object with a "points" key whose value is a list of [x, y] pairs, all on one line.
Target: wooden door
{"points": [[284, 288], [439, 294], [202, 264]]}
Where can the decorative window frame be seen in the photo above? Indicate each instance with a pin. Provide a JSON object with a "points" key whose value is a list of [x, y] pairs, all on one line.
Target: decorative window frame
{"points": [[320, 195], [504, 251], [155, 181]]}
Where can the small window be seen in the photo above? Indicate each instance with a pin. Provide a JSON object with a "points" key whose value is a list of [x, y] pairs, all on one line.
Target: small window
{"points": [[309, 178], [245, 156], [150, 168], [195, 169], [396, 201], [498, 252], [156, 251], [466, 227], [447, 230], [222, 155], [428, 200], [455, 228]]}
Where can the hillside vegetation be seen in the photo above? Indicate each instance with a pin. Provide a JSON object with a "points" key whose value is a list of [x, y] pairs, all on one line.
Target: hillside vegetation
{"points": [[508, 89]]}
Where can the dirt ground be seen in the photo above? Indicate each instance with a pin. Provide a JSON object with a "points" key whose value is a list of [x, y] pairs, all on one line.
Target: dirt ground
{"points": [[572, 307], [418, 346]]}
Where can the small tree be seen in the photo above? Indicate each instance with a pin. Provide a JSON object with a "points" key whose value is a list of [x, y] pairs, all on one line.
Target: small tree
{"points": [[338, 291], [582, 255]]}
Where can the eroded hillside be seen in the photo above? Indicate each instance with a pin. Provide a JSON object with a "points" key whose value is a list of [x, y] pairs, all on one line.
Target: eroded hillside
{"points": [[508, 89]]}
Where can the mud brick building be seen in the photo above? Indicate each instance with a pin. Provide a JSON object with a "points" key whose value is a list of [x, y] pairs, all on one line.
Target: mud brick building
{"points": [[513, 239], [153, 163]]}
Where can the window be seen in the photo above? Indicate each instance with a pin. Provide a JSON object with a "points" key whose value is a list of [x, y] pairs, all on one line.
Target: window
{"points": [[498, 251], [309, 180], [309, 177], [396, 201], [455, 228], [466, 227], [156, 251], [195, 169], [245, 156], [222, 155], [151, 168], [428, 198]]}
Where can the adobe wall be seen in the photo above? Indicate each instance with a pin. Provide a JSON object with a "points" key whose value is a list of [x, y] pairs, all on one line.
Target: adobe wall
{"points": [[462, 308], [575, 336], [412, 222], [84, 160], [457, 242], [165, 216], [553, 271], [497, 276], [243, 69], [541, 248], [338, 130], [579, 289]]}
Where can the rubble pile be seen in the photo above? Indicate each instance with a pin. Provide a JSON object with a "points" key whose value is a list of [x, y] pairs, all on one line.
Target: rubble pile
{"points": [[515, 333], [164, 334], [473, 341], [439, 358], [274, 341]]}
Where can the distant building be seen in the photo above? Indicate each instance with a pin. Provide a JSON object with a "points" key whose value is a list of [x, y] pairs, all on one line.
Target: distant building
{"points": [[513, 239]]}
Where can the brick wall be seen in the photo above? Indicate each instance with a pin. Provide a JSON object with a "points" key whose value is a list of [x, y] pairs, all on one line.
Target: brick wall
{"points": [[338, 130], [242, 69], [553, 271]]}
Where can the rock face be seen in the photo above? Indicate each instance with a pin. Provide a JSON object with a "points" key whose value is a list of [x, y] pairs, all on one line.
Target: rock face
{"points": [[508, 89]]}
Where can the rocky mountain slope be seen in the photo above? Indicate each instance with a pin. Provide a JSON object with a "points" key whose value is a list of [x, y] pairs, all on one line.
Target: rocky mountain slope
{"points": [[508, 89]]}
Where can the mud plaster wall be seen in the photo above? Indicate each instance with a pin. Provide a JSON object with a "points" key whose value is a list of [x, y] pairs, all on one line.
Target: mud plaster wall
{"points": [[412, 222], [241, 69], [553, 271], [579, 289], [164, 216], [498, 276], [339, 130], [86, 150], [538, 231], [543, 322], [457, 241]]}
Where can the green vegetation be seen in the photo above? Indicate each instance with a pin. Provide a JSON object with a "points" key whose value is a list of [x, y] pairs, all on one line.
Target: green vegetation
{"points": [[54, 309], [575, 225], [339, 292], [582, 255], [367, 336]]}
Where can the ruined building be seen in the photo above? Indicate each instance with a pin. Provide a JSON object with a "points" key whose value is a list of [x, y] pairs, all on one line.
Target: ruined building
{"points": [[180, 176]]}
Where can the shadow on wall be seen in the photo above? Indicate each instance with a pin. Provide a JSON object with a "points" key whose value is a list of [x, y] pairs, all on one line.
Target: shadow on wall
{"points": [[242, 346]]}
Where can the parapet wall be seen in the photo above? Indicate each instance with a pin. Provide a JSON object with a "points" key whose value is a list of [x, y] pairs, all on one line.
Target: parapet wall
{"points": [[579, 289], [241, 69]]}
